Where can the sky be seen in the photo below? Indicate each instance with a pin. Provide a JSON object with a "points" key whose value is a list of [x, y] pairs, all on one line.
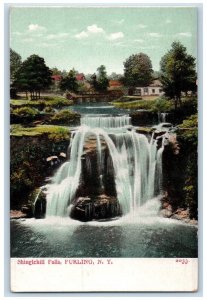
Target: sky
{"points": [[85, 38]]}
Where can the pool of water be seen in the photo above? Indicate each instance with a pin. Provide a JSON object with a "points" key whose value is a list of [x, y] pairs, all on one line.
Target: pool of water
{"points": [[98, 108], [129, 236]]}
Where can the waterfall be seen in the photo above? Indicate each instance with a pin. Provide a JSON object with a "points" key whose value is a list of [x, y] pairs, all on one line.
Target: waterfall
{"points": [[134, 162], [162, 117], [105, 121]]}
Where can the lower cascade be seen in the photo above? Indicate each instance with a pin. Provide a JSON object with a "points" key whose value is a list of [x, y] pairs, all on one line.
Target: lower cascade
{"points": [[107, 157]]}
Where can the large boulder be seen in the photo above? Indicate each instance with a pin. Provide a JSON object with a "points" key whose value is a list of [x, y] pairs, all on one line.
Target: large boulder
{"points": [[94, 208]]}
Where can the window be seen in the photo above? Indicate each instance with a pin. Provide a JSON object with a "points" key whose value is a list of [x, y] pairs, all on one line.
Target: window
{"points": [[138, 92], [153, 91], [145, 90], [160, 90]]}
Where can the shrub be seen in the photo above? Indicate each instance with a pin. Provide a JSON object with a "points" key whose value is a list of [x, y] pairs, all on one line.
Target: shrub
{"points": [[24, 114], [188, 139], [65, 117], [162, 105], [49, 109]]}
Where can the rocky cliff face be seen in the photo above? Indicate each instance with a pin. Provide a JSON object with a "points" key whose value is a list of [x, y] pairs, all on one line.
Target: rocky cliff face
{"points": [[29, 166]]}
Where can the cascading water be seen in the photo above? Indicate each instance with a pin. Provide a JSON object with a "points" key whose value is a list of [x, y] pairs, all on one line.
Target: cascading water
{"points": [[135, 162], [162, 117], [105, 121]]}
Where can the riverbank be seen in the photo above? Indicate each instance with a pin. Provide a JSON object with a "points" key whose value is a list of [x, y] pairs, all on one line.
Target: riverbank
{"points": [[180, 214]]}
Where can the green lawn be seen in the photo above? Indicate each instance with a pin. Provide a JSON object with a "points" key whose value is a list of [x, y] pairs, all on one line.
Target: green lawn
{"points": [[44, 102], [52, 131]]}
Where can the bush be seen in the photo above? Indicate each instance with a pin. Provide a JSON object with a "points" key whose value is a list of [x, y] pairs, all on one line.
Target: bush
{"points": [[24, 114], [66, 117], [188, 139], [140, 104], [162, 105], [188, 132], [49, 109]]}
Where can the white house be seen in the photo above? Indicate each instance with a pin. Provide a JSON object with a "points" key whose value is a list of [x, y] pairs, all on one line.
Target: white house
{"points": [[154, 89]]}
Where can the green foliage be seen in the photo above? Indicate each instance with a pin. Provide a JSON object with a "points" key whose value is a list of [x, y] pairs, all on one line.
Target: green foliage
{"points": [[69, 82], [25, 111], [53, 132], [15, 64], [29, 149], [177, 72], [190, 122], [55, 102], [24, 114], [102, 80], [49, 109], [33, 75], [162, 105], [56, 71], [65, 117], [188, 139], [141, 104], [188, 132], [191, 185], [138, 70], [20, 180], [156, 105]]}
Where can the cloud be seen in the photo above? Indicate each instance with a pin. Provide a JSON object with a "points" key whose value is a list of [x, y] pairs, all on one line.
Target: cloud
{"points": [[91, 30], [57, 36], [138, 41], [184, 34], [115, 36], [95, 29], [81, 35], [142, 26], [155, 34], [36, 27]]}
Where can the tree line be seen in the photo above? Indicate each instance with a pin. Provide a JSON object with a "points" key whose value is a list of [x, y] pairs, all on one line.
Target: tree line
{"points": [[177, 74]]}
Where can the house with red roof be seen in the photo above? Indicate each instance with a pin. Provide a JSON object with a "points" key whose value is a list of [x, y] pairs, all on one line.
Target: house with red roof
{"points": [[80, 77]]}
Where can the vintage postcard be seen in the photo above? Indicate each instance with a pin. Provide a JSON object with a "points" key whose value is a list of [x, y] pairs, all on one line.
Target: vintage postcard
{"points": [[103, 110]]}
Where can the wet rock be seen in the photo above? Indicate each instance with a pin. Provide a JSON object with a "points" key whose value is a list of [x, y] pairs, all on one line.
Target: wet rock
{"points": [[193, 222], [17, 214], [97, 207], [27, 210], [63, 155], [166, 213], [181, 214]]}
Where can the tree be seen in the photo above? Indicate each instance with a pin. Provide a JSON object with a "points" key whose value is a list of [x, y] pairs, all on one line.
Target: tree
{"points": [[102, 80], [56, 71], [137, 70], [69, 82], [33, 76], [177, 72], [115, 76], [15, 64]]}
